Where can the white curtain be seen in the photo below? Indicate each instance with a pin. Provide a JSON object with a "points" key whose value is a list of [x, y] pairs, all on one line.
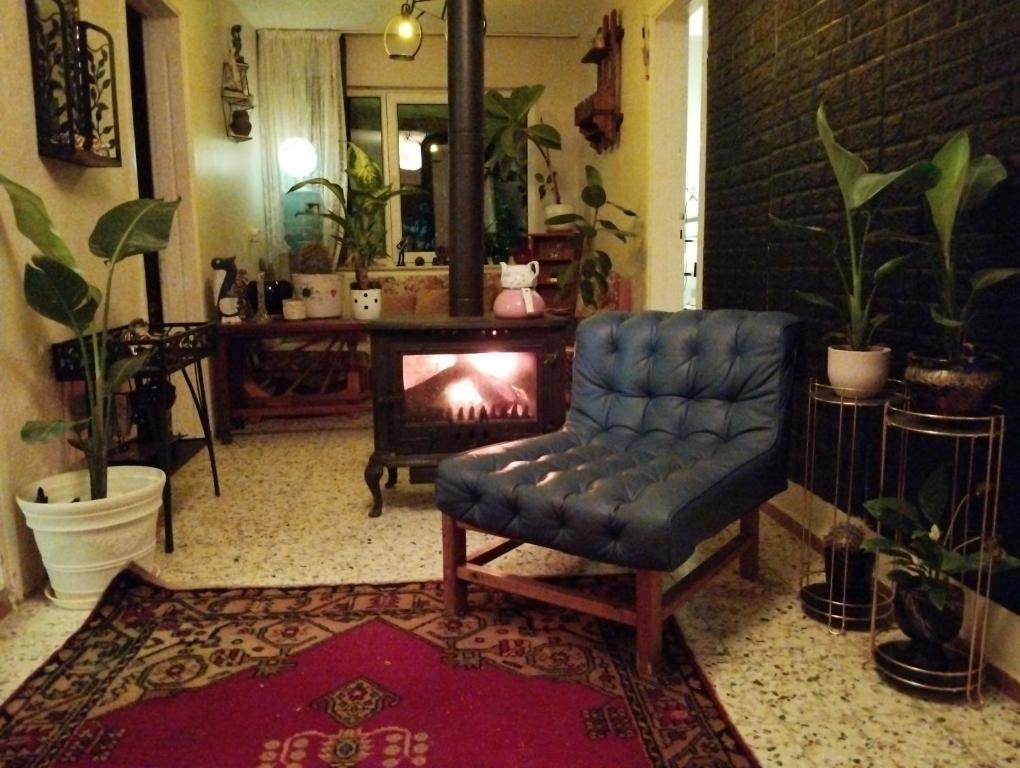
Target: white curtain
{"points": [[300, 95]]}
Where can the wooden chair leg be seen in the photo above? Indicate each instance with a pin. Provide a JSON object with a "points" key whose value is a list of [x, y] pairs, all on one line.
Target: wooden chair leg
{"points": [[648, 599], [749, 557], [454, 555]]}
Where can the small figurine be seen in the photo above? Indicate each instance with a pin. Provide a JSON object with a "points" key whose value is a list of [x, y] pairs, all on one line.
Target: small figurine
{"points": [[224, 281], [235, 39]]}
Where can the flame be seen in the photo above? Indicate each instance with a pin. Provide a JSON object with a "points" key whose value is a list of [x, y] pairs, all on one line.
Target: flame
{"points": [[502, 365], [463, 393]]}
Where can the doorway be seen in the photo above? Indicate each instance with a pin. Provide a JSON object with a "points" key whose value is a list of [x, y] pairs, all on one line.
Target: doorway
{"points": [[678, 51], [143, 153], [174, 278]]}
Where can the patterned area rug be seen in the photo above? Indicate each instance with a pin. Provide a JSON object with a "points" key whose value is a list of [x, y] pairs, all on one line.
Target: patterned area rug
{"points": [[358, 677]]}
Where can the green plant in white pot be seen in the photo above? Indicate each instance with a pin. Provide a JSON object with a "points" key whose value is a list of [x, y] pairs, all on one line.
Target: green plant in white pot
{"points": [[959, 381], [506, 137], [856, 367], [360, 223], [85, 542]]}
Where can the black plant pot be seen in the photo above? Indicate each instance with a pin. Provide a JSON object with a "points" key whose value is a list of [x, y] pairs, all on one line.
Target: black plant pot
{"points": [[144, 402], [276, 292], [852, 567], [928, 627], [952, 388]]}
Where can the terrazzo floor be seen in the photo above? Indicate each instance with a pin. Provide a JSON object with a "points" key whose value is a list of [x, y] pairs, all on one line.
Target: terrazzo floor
{"points": [[293, 511]]}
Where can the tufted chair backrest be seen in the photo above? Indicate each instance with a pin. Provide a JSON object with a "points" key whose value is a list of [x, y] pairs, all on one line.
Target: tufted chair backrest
{"points": [[713, 376]]}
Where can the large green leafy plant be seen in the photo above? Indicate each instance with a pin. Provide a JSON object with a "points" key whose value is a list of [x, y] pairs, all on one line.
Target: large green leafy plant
{"points": [[965, 182], [506, 134], [595, 263], [55, 288], [859, 189], [919, 550], [360, 214]]}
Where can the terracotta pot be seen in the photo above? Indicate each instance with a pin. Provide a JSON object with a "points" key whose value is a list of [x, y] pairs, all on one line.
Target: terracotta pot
{"points": [[858, 374], [964, 387], [240, 123]]}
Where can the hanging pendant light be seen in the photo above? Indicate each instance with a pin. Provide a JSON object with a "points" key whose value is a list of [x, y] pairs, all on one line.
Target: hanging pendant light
{"points": [[402, 38]]}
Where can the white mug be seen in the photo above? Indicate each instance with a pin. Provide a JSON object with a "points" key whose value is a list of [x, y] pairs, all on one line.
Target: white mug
{"points": [[294, 309]]}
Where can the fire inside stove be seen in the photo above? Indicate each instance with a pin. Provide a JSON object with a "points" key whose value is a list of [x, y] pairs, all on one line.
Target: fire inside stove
{"points": [[474, 387]]}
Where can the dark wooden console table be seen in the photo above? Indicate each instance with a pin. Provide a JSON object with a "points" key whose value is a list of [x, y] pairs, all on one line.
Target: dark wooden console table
{"points": [[237, 396]]}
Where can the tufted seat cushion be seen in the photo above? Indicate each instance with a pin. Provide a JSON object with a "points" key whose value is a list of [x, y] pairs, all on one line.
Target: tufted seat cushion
{"points": [[676, 428]]}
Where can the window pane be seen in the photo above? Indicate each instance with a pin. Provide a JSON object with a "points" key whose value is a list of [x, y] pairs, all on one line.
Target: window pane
{"points": [[364, 121], [423, 139]]}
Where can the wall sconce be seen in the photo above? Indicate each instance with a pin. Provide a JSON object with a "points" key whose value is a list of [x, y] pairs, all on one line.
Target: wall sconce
{"points": [[403, 36]]}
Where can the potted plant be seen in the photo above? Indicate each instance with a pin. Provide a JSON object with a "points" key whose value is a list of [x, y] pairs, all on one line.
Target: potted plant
{"points": [[856, 367], [927, 550], [848, 568], [506, 137], [958, 381], [315, 281], [591, 275], [88, 524], [360, 219]]}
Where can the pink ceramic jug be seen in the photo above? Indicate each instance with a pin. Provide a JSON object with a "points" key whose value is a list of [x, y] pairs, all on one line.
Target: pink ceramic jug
{"points": [[518, 297]]}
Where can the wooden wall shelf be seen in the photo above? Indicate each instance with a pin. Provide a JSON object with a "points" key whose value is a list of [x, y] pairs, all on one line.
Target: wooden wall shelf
{"points": [[598, 116]]}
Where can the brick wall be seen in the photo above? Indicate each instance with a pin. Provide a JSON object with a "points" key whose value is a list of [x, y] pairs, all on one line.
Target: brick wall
{"points": [[898, 77]]}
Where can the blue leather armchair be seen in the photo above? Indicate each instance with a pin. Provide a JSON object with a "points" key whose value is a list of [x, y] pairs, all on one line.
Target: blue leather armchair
{"points": [[677, 428]]}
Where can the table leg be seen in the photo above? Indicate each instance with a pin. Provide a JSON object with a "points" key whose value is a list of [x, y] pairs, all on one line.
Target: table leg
{"points": [[221, 391], [373, 474]]}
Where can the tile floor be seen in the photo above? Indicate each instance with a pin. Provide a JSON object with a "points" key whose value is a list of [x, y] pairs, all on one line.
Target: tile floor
{"points": [[293, 512]]}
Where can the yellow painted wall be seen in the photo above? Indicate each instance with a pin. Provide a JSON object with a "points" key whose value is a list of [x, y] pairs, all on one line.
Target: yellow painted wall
{"points": [[625, 168], [227, 188], [75, 197], [228, 173]]}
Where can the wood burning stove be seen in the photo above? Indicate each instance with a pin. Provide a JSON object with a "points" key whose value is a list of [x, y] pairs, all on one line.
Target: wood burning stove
{"points": [[446, 384]]}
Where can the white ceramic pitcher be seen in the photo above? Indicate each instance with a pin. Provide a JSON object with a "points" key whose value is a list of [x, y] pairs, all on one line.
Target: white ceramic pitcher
{"points": [[518, 275]]}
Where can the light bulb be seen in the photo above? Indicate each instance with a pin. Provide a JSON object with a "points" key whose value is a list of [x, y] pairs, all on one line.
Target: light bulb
{"points": [[406, 29], [297, 156]]}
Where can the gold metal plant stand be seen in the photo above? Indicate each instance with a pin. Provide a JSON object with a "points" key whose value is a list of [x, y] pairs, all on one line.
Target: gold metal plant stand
{"points": [[975, 444], [828, 601]]}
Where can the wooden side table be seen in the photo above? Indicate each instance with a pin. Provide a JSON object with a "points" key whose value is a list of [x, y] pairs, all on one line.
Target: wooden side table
{"points": [[238, 395]]}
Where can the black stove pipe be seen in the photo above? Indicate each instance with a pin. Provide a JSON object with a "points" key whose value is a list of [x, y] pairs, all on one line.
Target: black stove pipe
{"points": [[465, 80]]}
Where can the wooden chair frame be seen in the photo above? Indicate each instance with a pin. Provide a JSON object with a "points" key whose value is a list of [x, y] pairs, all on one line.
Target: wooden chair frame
{"points": [[651, 606]]}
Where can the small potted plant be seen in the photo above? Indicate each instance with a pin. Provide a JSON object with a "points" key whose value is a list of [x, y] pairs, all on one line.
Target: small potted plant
{"points": [[927, 550], [315, 281], [591, 275], [360, 219], [848, 568], [90, 523], [506, 137], [958, 381], [856, 367]]}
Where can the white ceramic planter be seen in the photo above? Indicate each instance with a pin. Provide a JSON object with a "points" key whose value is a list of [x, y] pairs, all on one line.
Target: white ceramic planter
{"points": [[558, 209], [858, 374], [84, 544], [366, 303], [322, 294]]}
